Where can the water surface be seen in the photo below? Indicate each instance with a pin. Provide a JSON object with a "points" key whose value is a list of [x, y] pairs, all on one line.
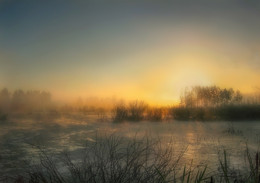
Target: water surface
{"points": [[202, 142]]}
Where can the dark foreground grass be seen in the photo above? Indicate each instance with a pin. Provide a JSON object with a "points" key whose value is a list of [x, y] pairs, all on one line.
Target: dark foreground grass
{"points": [[115, 159]]}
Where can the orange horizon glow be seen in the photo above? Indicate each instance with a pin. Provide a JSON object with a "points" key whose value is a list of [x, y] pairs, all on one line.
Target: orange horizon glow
{"points": [[130, 51]]}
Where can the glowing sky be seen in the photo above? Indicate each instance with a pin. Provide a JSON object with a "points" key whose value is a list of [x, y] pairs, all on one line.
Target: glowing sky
{"points": [[146, 49]]}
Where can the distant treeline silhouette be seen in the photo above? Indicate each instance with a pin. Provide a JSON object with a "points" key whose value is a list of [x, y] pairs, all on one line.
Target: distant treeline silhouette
{"points": [[24, 101], [215, 103], [196, 103]]}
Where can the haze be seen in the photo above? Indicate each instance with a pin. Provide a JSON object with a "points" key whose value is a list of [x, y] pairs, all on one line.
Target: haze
{"points": [[147, 50]]}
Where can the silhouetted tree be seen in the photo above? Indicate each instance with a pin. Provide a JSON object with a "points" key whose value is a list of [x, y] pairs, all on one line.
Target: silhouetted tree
{"points": [[18, 100], [5, 99], [203, 96], [237, 97]]}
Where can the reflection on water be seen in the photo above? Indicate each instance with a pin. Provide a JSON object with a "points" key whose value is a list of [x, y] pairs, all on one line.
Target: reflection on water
{"points": [[202, 141]]}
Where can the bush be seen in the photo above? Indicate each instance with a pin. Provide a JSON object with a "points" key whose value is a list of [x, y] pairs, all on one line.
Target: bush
{"points": [[137, 110], [119, 113], [238, 112], [155, 114], [181, 113]]}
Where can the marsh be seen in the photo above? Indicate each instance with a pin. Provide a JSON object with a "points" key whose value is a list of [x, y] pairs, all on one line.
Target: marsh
{"points": [[202, 143], [129, 91]]}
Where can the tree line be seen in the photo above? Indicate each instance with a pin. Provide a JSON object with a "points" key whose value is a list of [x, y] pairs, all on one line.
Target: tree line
{"points": [[205, 96], [21, 101], [196, 103]]}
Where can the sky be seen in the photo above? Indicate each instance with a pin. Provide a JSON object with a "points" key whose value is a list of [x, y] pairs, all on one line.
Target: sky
{"points": [[146, 49]]}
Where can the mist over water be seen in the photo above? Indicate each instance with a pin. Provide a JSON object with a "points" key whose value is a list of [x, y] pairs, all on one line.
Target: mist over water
{"points": [[129, 91], [40, 138], [201, 142]]}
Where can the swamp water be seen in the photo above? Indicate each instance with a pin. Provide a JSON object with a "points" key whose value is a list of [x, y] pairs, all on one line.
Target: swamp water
{"points": [[201, 143]]}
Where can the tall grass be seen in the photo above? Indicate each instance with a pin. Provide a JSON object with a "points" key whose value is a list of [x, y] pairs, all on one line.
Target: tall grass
{"points": [[250, 175], [116, 159], [113, 159]]}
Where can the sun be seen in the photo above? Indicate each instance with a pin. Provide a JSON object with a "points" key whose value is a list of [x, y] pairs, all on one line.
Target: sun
{"points": [[189, 77]]}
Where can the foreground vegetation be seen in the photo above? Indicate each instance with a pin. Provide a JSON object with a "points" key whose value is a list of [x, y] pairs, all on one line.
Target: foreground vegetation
{"points": [[116, 159]]}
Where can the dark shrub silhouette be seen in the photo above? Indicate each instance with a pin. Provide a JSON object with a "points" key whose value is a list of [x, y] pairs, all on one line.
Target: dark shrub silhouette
{"points": [[181, 113], [239, 112], [136, 110], [119, 113], [155, 114]]}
